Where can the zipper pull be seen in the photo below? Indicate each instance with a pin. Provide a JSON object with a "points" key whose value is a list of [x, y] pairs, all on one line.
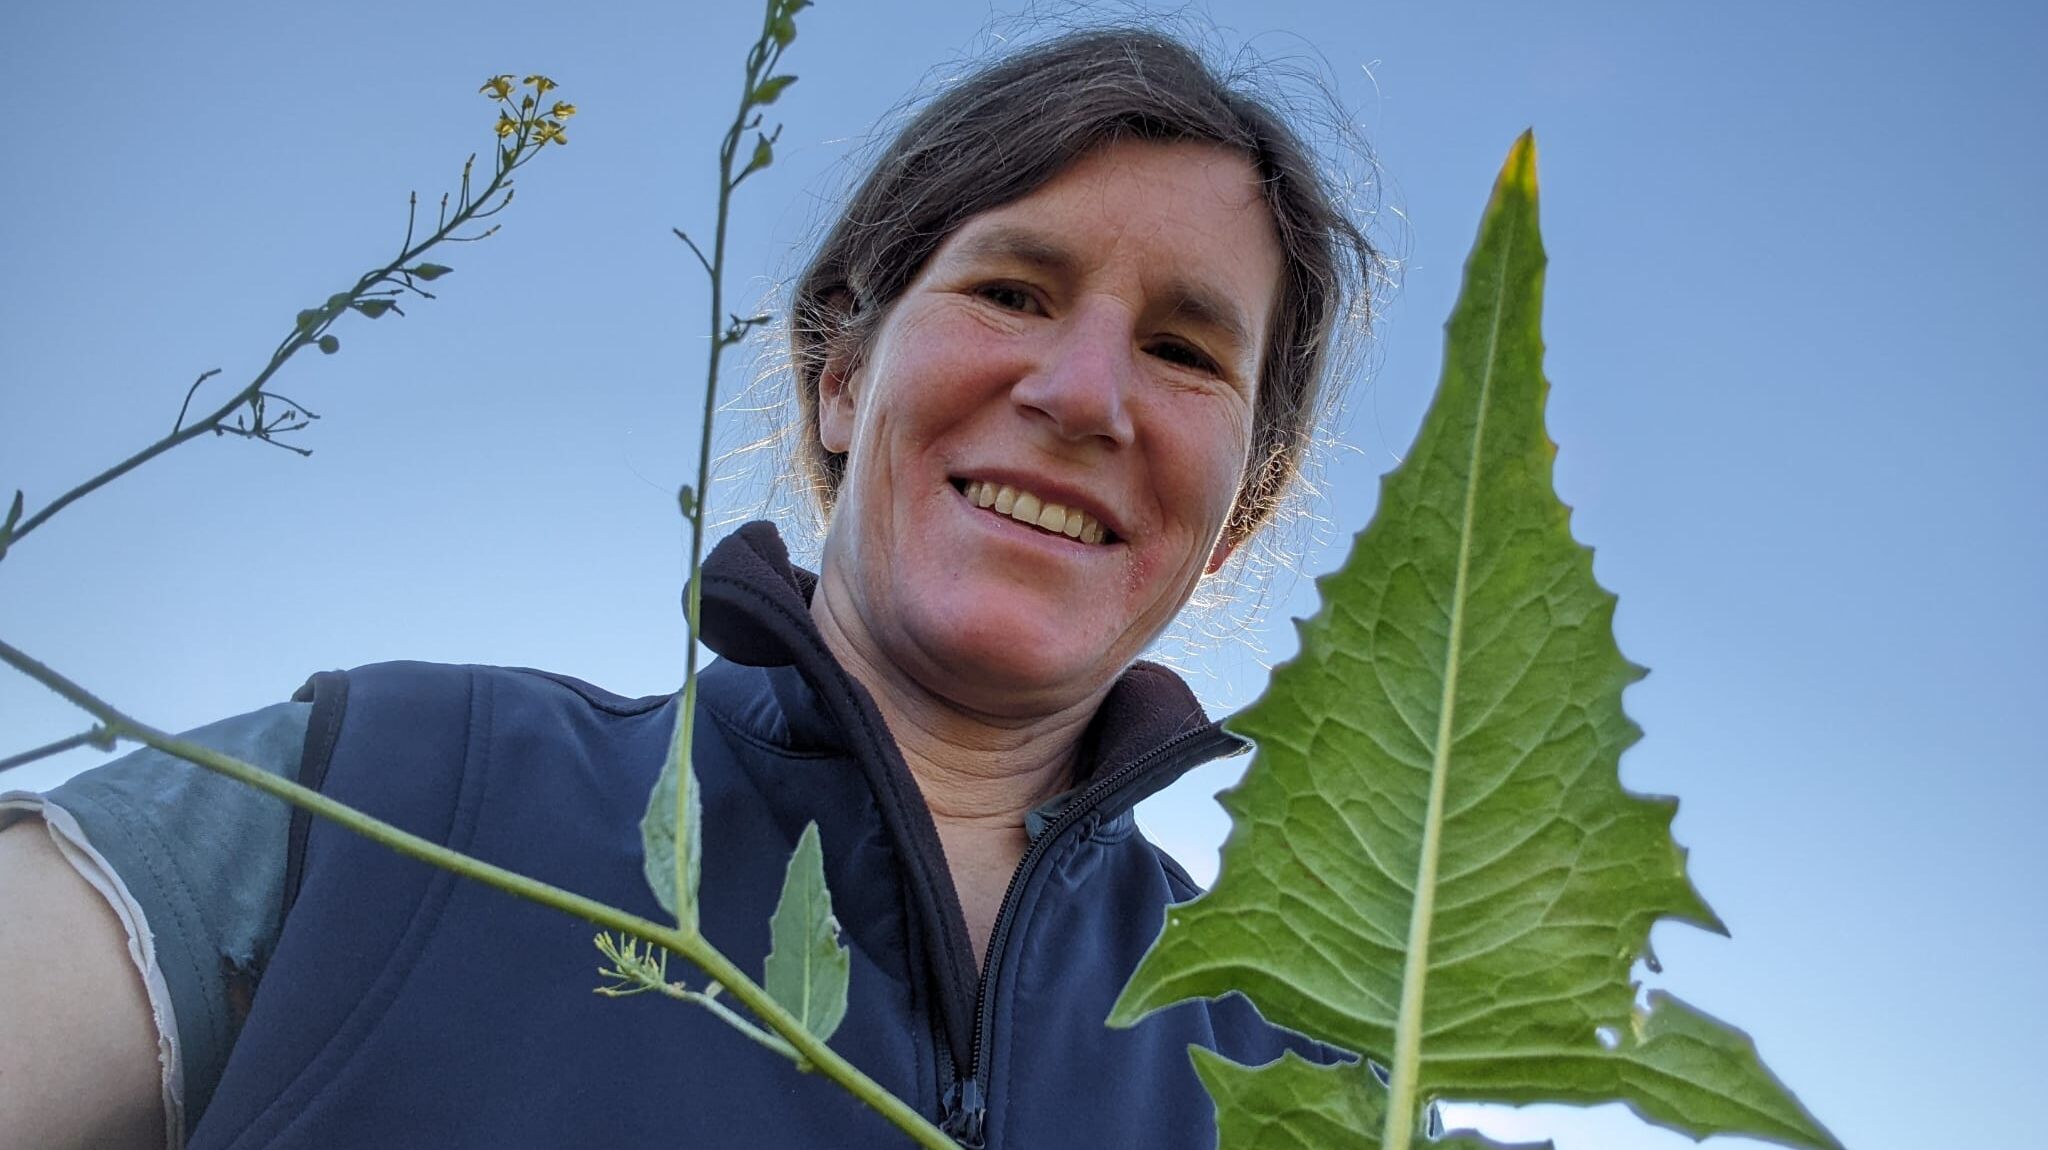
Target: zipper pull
{"points": [[966, 1114]]}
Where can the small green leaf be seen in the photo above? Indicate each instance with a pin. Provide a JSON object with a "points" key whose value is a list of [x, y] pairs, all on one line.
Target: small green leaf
{"points": [[686, 498], [373, 307], [329, 344], [767, 91], [1433, 862], [764, 155], [659, 838], [310, 318], [430, 272], [808, 969]]}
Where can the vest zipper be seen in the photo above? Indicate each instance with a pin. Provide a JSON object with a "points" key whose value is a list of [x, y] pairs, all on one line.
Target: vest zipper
{"points": [[966, 1099]]}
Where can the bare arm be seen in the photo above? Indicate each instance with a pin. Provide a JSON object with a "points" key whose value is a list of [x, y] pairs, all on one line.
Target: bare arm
{"points": [[78, 1050]]}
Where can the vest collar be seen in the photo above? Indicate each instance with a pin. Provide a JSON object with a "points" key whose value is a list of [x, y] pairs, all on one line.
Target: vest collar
{"points": [[757, 612]]}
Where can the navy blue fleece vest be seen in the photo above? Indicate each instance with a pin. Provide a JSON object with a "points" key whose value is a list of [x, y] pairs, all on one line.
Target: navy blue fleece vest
{"points": [[404, 1007]]}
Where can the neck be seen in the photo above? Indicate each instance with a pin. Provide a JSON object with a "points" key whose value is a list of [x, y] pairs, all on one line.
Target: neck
{"points": [[980, 774]]}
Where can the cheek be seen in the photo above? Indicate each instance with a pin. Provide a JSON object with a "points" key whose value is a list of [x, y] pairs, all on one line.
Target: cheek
{"points": [[906, 395], [1206, 459], [1198, 465]]}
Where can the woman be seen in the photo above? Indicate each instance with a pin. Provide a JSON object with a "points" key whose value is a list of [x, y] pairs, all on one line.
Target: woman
{"points": [[1055, 362]]}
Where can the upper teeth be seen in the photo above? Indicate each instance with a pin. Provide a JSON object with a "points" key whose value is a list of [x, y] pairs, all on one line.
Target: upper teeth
{"points": [[1025, 507]]}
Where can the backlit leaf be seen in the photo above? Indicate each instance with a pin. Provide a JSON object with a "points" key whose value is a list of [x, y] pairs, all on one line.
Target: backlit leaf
{"points": [[770, 89], [660, 842], [808, 968], [764, 154], [1433, 861]]}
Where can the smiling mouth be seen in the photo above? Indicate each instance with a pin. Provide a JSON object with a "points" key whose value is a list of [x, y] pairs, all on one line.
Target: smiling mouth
{"points": [[1035, 511]]}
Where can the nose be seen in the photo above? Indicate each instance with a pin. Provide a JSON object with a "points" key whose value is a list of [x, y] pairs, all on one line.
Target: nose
{"points": [[1083, 380]]}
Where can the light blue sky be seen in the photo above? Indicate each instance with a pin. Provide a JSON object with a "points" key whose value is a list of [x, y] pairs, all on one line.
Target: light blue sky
{"points": [[1794, 306]]}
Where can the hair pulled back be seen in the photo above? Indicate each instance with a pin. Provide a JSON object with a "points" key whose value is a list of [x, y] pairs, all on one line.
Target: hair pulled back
{"points": [[1005, 131]]}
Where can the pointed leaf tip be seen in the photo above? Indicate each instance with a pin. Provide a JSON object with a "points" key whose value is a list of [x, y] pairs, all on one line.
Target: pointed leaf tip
{"points": [[1518, 173]]}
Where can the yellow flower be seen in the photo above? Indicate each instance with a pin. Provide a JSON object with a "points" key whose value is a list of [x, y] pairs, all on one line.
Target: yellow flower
{"points": [[506, 125], [561, 110], [540, 84], [498, 87], [549, 131]]}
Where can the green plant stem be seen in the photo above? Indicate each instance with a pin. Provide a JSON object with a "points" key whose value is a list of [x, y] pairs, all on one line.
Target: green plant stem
{"points": [[808, 1049], [760, 60], [734, 1020]]}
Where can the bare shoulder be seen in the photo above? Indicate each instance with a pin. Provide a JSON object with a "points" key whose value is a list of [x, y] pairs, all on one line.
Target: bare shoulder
{"points": [[78, 1050]]}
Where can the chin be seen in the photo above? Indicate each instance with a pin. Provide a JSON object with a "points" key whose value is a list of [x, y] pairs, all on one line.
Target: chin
{"points": [[1025, 659]]}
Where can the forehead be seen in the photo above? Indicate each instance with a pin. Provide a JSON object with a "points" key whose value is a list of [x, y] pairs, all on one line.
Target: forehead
{"points": [[1184, 221]]}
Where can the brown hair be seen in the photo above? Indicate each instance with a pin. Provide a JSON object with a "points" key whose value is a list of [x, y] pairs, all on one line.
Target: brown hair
{"points": [[1003, 132]]}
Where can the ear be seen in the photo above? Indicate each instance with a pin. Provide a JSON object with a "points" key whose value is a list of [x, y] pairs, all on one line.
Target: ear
{"points": [[837, 381], [1217, 558]]}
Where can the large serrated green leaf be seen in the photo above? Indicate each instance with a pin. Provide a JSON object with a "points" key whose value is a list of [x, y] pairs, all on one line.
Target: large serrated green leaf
{"points": [[1433, 861], [808, 967]]}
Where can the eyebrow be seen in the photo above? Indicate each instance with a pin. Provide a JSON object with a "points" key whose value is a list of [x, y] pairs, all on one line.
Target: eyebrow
{"points": [[1195, 302]]}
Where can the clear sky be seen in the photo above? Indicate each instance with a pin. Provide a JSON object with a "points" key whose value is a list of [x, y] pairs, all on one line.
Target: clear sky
{"points": [[1795, 302]]}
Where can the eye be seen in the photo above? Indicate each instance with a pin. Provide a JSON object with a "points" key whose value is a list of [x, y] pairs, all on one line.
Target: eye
{"points": [[1185, 355], [1008, 296]]}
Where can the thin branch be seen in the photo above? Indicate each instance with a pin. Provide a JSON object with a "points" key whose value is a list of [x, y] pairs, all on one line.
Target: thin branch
{"points": [[189, 393], [300, 337], [301, 452], [695, 250], [302, 409], [637, 973], [736, 1021], [97, 737]]}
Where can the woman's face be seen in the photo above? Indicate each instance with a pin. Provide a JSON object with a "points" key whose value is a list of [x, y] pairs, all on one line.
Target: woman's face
{"points": [[1086, 357]]}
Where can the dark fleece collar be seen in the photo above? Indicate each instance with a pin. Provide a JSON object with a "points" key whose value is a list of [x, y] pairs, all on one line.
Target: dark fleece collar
{"points": [[757, 612]]}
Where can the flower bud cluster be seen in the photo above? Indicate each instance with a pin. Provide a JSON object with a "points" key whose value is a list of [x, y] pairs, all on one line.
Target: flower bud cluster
{"points": [[522, 123]]}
